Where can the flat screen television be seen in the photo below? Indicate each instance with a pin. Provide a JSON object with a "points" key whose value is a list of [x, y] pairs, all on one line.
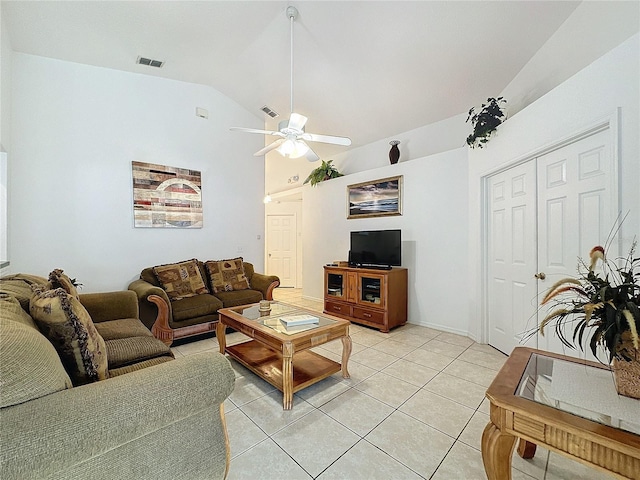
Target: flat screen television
{"points": [[376, 249]]}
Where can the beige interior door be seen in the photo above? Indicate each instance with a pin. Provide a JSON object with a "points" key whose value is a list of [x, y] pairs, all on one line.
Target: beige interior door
{"points": [[542, 216], [282, 247]]}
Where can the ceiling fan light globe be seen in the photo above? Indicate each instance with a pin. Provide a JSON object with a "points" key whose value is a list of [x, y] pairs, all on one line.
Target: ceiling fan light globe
{"points": [[293, 149]]}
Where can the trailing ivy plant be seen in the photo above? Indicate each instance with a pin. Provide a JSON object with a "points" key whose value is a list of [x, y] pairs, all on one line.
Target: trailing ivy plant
{"points": [[485, 121], [322, 173]]}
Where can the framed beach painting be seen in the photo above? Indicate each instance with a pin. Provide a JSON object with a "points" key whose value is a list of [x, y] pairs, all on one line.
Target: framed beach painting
{"points": [[166, 197], [376, 198]]}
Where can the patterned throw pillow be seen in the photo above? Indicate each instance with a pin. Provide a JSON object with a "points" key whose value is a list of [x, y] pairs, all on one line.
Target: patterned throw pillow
{"points": [[181, 280], [227, 275], [67, 324], [60, 280]]}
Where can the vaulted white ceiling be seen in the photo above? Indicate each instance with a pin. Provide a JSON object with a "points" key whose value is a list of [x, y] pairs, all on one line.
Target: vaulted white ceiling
{"points": [[367, 70]]}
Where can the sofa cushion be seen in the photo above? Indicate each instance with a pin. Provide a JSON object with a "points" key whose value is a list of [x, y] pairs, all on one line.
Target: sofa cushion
{"points": [[197, 306], [240, 297], [68, 326], [181, 280], [139, 366], [29, 365], [122, 328], [10, 309], [226, 275], [126, 351], [19, 286], [149, 276], [58, 279]]}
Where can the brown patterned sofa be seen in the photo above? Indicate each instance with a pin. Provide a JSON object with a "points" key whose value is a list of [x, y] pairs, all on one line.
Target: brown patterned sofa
{"points": [[181, 307], [132, 411]]}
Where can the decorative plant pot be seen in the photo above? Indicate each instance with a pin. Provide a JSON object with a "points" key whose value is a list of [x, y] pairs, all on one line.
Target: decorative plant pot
{"points": [[627, 373]]}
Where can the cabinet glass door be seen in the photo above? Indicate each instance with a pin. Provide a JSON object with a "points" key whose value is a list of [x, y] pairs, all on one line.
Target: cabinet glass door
{"points": [[335, 285], [371, 289]]}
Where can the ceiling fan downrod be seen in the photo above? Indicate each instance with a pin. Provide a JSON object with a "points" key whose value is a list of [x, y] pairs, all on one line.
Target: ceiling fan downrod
{"points": [[292, 14]]}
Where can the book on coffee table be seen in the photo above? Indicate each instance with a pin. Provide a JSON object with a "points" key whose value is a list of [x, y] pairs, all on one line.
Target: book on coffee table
{"points": [[295, 320], [279, 326]]}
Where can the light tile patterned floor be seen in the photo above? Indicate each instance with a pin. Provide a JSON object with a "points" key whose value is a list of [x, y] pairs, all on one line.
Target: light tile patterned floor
{"points": [[413, 408]]}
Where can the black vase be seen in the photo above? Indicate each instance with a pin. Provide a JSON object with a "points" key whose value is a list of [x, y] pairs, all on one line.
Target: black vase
{"points": [[394, 153]]}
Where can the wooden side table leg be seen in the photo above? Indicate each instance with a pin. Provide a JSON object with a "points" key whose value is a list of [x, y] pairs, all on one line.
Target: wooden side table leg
{"points": [[526, 449], [346, 353], [287, 376], [497, 448], [221, 336]]}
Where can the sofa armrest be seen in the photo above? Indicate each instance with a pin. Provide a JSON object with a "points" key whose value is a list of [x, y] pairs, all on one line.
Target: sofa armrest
{"points": [[55, 432], [265, 284], [148, 309], [107, 306]]}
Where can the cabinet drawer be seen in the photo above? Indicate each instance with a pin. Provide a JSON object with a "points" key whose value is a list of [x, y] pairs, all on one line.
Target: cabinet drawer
{"points": [[337, 308], [368, 315]]}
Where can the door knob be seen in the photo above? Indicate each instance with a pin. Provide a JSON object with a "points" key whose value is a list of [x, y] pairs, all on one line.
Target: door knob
{"points": [[540, 276]]}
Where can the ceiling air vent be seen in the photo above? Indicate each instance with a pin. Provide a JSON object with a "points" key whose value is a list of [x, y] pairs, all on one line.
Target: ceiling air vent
{"points": [[149, 62], [270, 112]]}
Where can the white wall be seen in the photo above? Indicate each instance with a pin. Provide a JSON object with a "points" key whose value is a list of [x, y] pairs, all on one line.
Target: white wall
{"points": [[76, 129], [421, 142], [595, 92], [434, 234], [593, 29], [5, 85], [5, 137]]}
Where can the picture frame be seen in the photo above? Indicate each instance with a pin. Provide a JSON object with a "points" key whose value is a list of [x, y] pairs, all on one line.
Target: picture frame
{"points": [[376, 198], [166, 197]]}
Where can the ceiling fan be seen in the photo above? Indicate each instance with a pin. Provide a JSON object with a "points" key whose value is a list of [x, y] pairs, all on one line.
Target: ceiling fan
{"points": [[292, 142]]}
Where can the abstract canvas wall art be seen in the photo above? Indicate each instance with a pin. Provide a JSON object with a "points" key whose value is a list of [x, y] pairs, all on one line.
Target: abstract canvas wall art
{"points": [[166, 197]]}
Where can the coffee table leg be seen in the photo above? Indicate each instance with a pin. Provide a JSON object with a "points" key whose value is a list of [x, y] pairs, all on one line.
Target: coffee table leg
{"points": [[526, 449], [346, 352], [287, 376], [221, 336], [497, 448]]}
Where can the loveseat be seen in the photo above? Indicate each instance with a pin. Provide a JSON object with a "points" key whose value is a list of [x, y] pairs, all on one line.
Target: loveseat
{"points": [[152, 417], [182, 299]]}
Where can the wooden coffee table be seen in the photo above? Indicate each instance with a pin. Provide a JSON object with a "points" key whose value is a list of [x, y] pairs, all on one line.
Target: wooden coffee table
{"points": [[567, 418], [284, 360]]}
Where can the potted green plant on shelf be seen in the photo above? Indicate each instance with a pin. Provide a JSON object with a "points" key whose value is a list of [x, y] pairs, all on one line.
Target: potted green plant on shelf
{"points": [[485, 121], [324, 172], [603, 313]]}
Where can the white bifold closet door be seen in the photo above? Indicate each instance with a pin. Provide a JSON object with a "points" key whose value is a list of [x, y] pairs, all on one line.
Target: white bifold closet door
{"points": [[543, 215]]}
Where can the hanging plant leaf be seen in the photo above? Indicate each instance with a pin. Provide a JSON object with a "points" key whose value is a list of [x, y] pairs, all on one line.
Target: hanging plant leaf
{"points": [[485, 121], [324, 172]]}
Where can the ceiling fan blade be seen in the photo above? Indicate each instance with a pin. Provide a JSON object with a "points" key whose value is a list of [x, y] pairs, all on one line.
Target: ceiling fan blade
{"points": [[297, 121], [313, 137], [311, 155], [253, 130], [268, 148]]}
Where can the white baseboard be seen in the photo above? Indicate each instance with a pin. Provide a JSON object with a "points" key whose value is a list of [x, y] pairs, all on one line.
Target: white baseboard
{"points": [[307, 297], [444, 328]]}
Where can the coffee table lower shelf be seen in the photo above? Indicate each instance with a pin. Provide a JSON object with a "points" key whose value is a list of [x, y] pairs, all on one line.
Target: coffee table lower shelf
{"points": [[308, 367]]}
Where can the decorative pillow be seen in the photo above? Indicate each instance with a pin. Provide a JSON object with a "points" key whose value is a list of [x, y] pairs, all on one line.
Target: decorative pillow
{"points": [[67, 324], [227, 275], [57, 279], [181, 280]]}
